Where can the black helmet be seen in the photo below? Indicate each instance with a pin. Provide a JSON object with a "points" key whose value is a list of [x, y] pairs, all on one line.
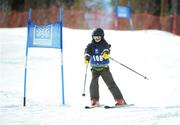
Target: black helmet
{"points": [[98, 32]]}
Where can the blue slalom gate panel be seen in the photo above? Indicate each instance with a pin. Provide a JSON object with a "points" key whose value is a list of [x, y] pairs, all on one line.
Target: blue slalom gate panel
{"points": [[47, 36], [123, 12]]}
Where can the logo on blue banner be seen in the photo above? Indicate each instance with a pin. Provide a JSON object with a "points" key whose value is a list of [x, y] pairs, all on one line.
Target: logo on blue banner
{"points": [[47, 36], [43, 35]]}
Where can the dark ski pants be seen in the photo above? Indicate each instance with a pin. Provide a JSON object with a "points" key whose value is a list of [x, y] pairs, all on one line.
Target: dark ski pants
{"points": [[108, 79]]}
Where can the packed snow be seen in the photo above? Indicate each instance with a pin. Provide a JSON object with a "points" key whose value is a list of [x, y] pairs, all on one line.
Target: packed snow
{"points": [[153, 53]]}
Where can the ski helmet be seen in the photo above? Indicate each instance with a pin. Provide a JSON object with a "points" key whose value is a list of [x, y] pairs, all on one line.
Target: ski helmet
{"points": [[98, 32]]}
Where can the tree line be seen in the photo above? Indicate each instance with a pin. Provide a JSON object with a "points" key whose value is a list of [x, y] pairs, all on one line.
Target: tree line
{"points": [[154, 7]]}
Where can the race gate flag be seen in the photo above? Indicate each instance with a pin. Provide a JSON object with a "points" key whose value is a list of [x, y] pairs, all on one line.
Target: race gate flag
{"points": [[124, 12], [44, 36]]}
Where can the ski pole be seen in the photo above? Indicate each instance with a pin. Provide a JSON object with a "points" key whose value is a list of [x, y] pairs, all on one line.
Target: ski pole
{"points": [[85, 81], [128, 68]]}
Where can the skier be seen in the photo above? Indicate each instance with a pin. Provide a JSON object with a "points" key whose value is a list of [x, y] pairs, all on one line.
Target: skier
{"points": [[97, 54]]}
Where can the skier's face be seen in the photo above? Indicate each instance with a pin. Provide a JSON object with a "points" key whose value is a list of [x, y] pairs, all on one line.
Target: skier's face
{"points": [[97, 38]]}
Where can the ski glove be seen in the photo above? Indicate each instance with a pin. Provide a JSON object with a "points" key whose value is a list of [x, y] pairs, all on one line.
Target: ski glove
{"points": [[105, 56], [86, 61]]}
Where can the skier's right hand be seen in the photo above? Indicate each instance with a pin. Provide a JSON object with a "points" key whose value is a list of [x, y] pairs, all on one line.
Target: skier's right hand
{"points": [[86, 61]]}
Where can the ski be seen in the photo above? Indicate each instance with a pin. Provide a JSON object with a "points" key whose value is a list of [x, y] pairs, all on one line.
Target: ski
{"points": [[118, 106], [91, 107]]}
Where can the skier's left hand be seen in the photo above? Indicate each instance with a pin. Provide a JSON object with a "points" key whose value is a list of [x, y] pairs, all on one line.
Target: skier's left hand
{"points": [[105, 56]]}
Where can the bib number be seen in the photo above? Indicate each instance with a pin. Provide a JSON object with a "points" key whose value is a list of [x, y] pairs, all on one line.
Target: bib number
{"points": [[97, 58]]}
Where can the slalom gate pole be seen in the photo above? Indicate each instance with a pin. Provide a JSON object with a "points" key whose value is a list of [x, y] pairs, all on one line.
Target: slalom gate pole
{"points": [[25, 69], [85, 81], [128, 68], [61, 46]]}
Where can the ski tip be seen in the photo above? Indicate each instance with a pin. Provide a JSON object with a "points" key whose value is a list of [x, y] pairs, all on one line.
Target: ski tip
{"points": [[89, 107], [86, 107]]}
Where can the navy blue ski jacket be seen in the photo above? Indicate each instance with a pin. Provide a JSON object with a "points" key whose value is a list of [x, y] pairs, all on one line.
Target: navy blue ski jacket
{"points": [[94, 51]]}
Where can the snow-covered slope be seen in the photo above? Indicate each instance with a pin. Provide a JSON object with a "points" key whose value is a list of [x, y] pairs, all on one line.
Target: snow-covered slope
{"points": [[152, 53]]}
